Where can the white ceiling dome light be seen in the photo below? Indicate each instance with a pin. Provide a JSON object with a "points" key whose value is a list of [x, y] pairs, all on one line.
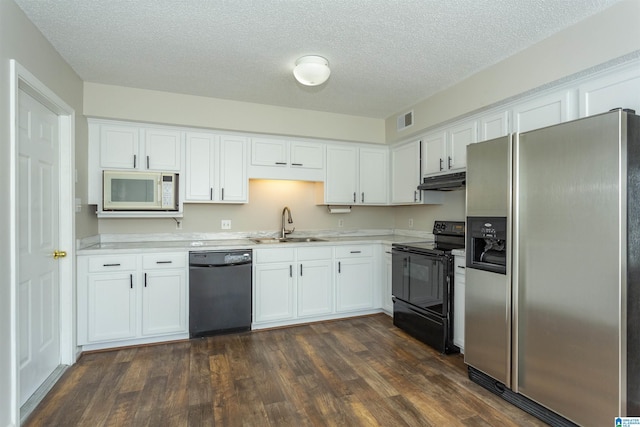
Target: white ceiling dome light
{"points": [[312, 70]]}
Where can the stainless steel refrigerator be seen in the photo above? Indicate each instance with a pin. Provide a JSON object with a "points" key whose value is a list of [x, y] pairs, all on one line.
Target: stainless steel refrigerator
{"points": [[552, 307]]}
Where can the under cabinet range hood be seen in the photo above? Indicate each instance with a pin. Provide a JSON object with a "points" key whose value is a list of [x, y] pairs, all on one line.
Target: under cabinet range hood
{"points": [[448, 182]]}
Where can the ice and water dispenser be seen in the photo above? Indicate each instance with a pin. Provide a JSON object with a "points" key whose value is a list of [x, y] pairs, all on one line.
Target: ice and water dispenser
{"points": [[487, 244]]}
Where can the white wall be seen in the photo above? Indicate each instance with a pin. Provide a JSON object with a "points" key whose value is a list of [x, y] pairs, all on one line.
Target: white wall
{"points": [[117, 102], [267, 198], [21, 41], [613, 33]]}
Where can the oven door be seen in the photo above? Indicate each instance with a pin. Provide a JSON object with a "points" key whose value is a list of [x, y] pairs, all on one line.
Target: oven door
{"points": [[422, 280]]}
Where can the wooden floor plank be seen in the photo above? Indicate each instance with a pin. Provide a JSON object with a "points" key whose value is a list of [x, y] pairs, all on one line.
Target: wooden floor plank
{"points": [[353, 372]]}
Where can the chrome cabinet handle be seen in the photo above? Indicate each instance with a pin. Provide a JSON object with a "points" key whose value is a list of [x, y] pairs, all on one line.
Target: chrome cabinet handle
{"points": [[211, 193], [131, 281], [449, 162], [290, 270], [281, 163], [147, 162], [354, 197], [296, 164], [356, 252], [362, 198], [145, 280], [415, 196], [301, 270], [135, 157], [164, 262], [111, 265], [441, 162], [339, 267], [222, 194]]}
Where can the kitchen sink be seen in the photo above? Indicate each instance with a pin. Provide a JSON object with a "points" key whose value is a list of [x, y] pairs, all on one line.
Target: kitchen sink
{"points": [[287, 239]]}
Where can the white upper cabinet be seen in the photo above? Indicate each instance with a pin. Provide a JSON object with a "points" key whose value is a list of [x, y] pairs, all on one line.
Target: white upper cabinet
{"points": [[405, 173], [544, 111], [216, 168], [283, 159], [494, 125], [374, 176], [120, 148], [269, 152], [233, 169], [621, 90], [341, 183], [162, 148], [435, 151], [445, 150], [307, 155], [356, 175], [459, 137]]}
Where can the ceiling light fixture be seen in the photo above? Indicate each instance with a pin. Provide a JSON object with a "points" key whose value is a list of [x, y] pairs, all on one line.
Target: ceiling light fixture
{"points": [[312, 70]]}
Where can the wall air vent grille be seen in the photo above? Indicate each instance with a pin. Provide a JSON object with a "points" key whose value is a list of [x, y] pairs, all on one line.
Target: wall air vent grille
{"points": [[405, 120]]}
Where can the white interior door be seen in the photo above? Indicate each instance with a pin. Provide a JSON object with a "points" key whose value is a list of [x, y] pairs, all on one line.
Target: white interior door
{"points": [[38, 271]]}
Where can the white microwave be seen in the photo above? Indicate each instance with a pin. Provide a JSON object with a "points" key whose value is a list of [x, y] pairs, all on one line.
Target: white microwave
{"points": [[139, 191]]}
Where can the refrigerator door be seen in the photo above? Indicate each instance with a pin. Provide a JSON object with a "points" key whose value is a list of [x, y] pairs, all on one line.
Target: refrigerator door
{"points": [[569, 232], [488, 294]]}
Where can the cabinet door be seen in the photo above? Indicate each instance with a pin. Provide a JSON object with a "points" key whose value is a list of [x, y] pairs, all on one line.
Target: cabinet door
{"points": [[405, 173], [494, 126], [459, 137], [111, 306], [274, 292], [269, 152], [619, 90], [233, 169], [434, 153], [354, 284], [545, 111], [315, 296], [119, 147], [374, 178], [458, 301], [201, 152], [341, 180], [164, 302], [307, 155], [162, 150], [387, 303]]}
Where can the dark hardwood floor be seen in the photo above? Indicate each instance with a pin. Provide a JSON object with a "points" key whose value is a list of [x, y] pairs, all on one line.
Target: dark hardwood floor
{"points": [[355, 372]]}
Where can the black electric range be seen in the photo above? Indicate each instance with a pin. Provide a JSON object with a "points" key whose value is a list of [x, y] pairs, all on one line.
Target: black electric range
{"points": [[422, 285]]}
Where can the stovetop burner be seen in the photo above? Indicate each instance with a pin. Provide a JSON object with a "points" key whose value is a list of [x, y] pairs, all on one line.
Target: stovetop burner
{"points": [[448, 235]]}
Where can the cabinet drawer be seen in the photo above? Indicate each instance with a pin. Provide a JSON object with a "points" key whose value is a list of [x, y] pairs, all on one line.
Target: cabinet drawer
{"points": [[312, 254], [353, 251], [168, 260], [273, 255], [98, 264]]}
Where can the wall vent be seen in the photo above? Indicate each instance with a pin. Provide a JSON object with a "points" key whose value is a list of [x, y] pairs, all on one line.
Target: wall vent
{"points": [[405, 120]]}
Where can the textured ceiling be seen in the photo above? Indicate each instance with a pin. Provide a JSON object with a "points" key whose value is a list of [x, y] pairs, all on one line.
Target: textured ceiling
{"points": [[385, 55]]}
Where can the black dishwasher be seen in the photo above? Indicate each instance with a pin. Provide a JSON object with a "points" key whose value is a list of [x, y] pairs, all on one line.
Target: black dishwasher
{"points": [[219, 292]]}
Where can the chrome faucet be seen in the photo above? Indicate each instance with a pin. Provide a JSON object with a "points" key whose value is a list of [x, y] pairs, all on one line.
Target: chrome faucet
{"points": [[284, 231]]}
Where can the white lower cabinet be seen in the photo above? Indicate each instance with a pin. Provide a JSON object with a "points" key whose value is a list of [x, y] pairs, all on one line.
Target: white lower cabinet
{"points": [[274, 285], [314, 276], [387, 302], [354, 278], [131, 298], [458, 301], [302, 284]]}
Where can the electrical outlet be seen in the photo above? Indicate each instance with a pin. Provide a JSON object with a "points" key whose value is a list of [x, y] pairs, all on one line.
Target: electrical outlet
{"points": [[225, 224], [410, 222], [340, 223]]}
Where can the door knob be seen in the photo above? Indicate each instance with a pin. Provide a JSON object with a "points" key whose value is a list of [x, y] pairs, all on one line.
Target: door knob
{"points": [[59, 254]]}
